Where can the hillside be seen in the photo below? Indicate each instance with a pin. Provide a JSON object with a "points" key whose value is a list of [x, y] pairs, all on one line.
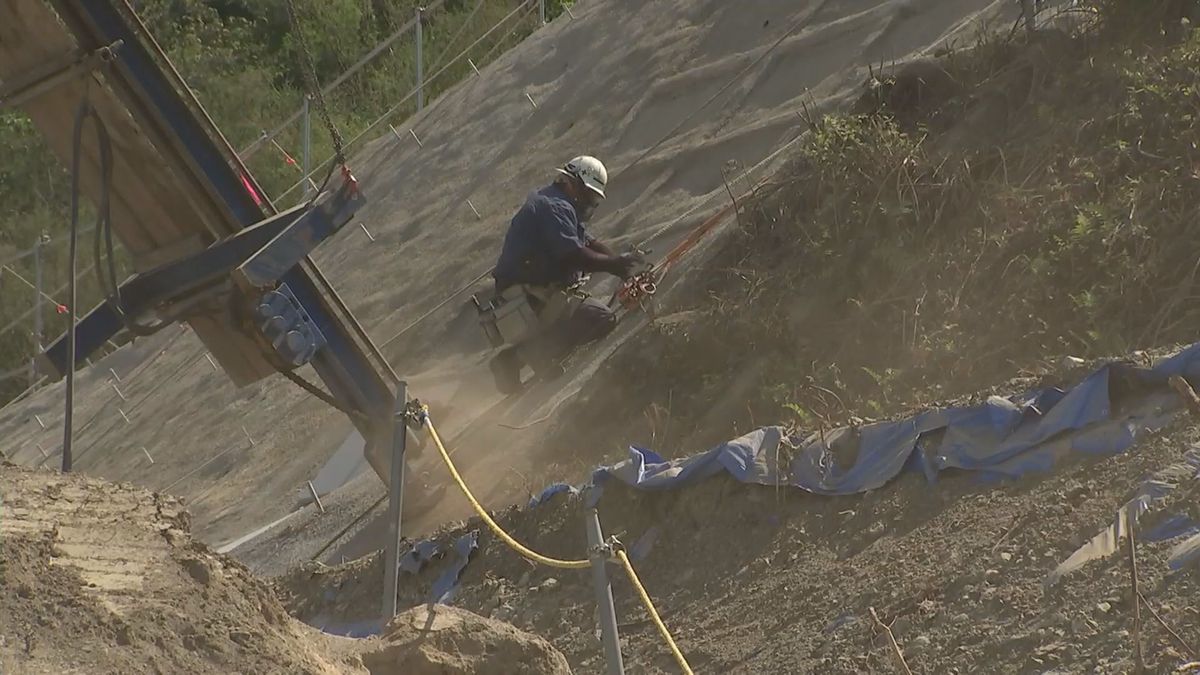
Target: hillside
{"points": [[757, 67], [954, 292]]}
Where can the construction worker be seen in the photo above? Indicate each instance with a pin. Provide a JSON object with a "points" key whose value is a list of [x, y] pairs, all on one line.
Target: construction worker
{"points": [[546, 253]]}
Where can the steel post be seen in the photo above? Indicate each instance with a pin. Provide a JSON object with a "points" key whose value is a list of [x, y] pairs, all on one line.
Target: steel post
{"points": [[307, 152], [39, 329], [391, 566], [420, 63], [542, 11], [598, 554]]}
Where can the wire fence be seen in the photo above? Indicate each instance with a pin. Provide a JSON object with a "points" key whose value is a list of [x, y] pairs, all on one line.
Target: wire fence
{"points": [[292, 148], [126, 394]]}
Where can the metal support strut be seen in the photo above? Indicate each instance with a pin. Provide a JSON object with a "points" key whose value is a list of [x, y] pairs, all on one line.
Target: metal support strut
{"points": [[600, 552], [391, 567]]}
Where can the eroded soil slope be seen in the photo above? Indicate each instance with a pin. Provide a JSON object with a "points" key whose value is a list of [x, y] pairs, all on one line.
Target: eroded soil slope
{"points": [[100, 577]]}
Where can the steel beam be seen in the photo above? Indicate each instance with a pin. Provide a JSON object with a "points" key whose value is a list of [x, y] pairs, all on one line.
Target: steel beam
{"points": [[161, 102], [291, 246], [178, 280]]}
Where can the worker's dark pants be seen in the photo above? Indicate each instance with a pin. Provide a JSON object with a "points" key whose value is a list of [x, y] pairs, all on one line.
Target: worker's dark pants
{"points": [[591, 321]]}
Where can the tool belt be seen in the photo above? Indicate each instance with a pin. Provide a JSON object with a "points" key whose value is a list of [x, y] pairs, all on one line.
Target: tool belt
{"points": [[521, 310]]}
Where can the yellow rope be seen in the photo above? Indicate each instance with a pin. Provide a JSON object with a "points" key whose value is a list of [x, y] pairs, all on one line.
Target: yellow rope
{"points": [[496, 529], [662, 627]]}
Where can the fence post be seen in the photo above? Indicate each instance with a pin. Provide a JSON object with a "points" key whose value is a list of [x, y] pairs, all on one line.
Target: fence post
{"points": [[391, 563], [598, 553], [542, 10], [307, 152], [420, 64], [38, 325]]}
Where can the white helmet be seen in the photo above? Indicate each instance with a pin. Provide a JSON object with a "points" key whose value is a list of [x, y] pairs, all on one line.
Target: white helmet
{"points": [[589, 170]]}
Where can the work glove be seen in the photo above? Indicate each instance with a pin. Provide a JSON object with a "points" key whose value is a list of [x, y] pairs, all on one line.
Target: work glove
{"points": [[623, 264]]}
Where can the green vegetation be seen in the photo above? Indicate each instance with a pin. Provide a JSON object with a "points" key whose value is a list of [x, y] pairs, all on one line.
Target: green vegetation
{"points": [[244, 63]]}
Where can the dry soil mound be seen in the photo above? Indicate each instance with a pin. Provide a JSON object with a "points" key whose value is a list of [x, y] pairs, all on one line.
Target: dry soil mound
{"points": [[98, 577], [440, 640]]}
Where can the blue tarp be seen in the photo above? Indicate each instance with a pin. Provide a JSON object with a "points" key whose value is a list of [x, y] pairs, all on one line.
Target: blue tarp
{"points": [[999, 438]]}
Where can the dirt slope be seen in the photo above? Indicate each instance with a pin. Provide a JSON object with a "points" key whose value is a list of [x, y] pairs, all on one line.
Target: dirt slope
{"points": [[102, 577], [614, 81], [754, 580]]}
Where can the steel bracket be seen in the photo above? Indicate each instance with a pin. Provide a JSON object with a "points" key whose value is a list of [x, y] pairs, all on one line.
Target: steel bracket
{"points": [[49, 75]]}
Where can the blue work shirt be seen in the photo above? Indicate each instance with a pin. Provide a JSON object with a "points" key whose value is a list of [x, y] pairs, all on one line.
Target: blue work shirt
{"points": [[542, 233]]}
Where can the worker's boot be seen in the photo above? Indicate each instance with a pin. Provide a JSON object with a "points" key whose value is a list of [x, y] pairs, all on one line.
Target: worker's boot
{"points": [[544, 358], [506, 370]]}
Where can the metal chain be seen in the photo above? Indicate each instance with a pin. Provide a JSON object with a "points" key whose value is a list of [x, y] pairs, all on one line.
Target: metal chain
{"points": [[314, 87]]}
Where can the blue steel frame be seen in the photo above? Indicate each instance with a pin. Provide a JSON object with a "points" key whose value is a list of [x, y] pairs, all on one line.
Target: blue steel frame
{"points": [[343, 365], [191, 275]]}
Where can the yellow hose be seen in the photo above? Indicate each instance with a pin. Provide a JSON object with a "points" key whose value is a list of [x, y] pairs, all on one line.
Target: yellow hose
{"points": [[662, 627], [555, 562], [496, 529]]}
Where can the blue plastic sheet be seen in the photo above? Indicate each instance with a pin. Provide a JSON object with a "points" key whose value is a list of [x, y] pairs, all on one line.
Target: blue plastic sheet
{"points": [[1185, 554], [443, 589], [1002, 437], [1175, 525], [550, 491], [1149, 494]]}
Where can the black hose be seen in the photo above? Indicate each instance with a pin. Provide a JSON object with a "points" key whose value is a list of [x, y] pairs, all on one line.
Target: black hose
{"points": [[104, 144]]}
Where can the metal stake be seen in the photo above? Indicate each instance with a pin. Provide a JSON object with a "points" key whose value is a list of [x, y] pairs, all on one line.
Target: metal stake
{"points": [[473, 66], [394, 132], [316, 497], [147, 454], [391, 567], [414, 135], [211, 362], [475, 210], [307, 153], [366, 232], [114, 388], [542, 11], [420, 56], [598, 554]]}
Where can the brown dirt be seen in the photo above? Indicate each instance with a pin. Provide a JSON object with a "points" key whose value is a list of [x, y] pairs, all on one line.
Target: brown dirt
{"points": [[441, 640], [752, 580], [100, 577]]}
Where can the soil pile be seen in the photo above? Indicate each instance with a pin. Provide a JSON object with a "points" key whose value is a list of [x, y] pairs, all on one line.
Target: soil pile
{"points": [[100, 577]]}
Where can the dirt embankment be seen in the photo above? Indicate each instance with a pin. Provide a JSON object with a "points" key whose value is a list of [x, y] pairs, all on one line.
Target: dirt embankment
{"points": [[1035, 207], [755, 580], [102, 577]]}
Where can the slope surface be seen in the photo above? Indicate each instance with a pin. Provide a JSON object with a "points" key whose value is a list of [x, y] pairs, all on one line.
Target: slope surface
{"points": [[104, 578], [666, 92]]}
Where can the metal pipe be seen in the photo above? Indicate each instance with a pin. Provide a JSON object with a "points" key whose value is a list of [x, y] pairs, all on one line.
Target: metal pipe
{"points": [[308, 189], [38, 325], [391, 566], [370, 56], [598, 554], [523, 7], [420, 56], [542, 11]]}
